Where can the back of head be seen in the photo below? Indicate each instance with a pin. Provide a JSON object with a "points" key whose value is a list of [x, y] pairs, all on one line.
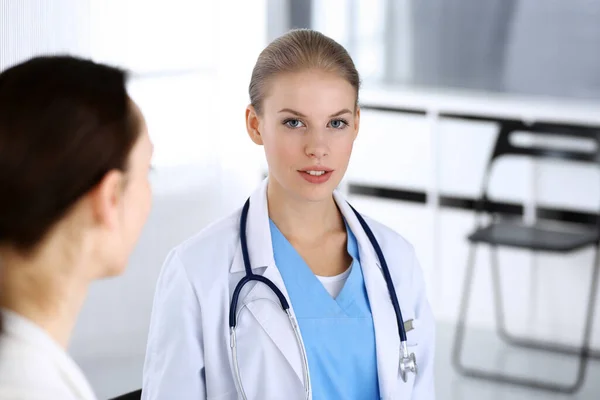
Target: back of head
{"points": [[64, 123], [296, 51]]}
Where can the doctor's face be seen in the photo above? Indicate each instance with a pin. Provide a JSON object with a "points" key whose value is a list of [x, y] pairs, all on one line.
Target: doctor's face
{"points": [[308, 125]]}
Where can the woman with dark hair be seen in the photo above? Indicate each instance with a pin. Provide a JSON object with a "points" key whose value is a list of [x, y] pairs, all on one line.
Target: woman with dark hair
{"points": [[74, 196]]}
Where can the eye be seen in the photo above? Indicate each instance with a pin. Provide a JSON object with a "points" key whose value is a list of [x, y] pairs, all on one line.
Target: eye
{"points": [[338, 123], [293, 123]]}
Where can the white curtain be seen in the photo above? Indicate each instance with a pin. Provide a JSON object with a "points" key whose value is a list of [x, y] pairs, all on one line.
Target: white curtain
{"points": [[32, 27]]}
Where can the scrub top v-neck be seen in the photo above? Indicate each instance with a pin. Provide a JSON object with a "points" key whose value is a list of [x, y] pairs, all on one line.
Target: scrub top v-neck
{"points": [[338, 333]]}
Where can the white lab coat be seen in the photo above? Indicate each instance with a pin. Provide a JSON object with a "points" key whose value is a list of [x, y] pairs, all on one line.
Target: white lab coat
{"points": [[34, 367], [188, 353]]}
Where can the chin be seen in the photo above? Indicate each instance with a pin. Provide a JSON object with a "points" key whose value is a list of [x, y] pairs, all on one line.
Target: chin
{"points": [[316, 193], [114, 270]]}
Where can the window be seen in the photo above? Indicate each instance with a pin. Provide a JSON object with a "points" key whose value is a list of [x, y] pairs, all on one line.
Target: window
{"points": [[170, 49], [533, 47]]}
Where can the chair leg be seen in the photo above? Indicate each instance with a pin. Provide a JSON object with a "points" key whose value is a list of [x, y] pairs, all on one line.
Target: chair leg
{"points": [[583, 352], [591, 311], [525, 342], [464, 310]]}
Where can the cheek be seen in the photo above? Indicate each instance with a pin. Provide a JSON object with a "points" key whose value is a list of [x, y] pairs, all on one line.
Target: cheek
{"points": [[282, 147], [139, 204], [145, 201], [343, 147]]}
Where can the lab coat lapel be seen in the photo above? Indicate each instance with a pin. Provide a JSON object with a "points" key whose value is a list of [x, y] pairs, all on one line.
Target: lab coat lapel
{"points": [[384, 317], [279, 329], [258, 234], [260, 299]]}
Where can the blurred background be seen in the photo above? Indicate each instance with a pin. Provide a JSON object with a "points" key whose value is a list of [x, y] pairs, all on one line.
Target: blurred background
{"points": [[442, 81]]}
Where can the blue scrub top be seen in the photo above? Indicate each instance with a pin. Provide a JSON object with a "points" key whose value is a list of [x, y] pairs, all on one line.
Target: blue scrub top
{"points": [[338, 334]]}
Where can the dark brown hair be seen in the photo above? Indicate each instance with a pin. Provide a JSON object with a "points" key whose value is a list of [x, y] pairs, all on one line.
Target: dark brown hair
{"points": [[298, 50], [64, 123]]}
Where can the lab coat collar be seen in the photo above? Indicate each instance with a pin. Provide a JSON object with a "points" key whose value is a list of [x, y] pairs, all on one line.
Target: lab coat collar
{"points": [[25, 330], [258, 234], [366, 251]]}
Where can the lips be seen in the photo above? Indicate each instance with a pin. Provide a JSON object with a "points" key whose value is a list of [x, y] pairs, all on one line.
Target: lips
{"points": [[315, 168], [316, 174]]}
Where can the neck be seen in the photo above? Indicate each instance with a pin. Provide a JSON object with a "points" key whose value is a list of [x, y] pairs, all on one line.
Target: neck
{"points": [[300, 220], [45, 291]]}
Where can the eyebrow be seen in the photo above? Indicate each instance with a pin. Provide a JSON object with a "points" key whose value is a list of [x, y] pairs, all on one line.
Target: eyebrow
{"points": [[299, 114]]}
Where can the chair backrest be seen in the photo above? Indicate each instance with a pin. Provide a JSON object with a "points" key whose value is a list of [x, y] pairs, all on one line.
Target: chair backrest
{"points": [[135, 395], [504, 146]]}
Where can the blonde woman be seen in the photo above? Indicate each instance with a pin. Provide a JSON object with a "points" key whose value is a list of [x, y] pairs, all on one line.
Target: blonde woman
{"points": [[295, 295]]}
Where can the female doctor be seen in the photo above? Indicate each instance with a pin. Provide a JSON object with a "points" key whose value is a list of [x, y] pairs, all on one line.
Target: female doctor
{"points": [[295, 245]]}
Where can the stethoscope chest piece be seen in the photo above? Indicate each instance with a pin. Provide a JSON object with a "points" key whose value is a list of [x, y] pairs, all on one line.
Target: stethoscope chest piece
{"points": [[408, 363]]}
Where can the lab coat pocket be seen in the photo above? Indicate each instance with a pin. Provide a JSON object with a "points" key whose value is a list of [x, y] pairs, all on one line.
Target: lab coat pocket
{"points": [[413, 331]]}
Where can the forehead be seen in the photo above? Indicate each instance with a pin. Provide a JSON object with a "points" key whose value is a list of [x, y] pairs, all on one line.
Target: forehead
{"points": [[137, 113], [310, 92], [143, 145]]}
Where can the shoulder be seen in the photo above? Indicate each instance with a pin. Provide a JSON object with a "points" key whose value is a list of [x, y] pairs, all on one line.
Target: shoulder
{"points": [[21, 359], [215, 236], [31, 392], [399, 253], [26, 373], [208, 254], [390, 240]]}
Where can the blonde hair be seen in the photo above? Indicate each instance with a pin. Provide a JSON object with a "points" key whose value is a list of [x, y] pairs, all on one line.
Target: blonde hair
{"points": [[299, 50]]}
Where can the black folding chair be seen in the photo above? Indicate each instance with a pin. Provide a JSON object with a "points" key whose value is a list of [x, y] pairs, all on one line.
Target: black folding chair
{"points": [[135, 395], [504, 232]]}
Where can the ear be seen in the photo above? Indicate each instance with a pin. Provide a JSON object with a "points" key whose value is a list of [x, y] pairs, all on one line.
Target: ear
{"points": [[356, 121], [106, 198], [253, 125]]}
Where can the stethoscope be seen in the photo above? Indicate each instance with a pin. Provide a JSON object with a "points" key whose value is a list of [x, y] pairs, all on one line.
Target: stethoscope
{"points": [[408, 362]]}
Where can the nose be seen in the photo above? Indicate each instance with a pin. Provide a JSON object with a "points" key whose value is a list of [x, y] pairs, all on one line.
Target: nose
{"points": [[316, 145]]}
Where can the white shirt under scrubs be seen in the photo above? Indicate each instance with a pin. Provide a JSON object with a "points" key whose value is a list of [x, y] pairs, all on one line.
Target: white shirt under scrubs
{"points": [[34, 367]]}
